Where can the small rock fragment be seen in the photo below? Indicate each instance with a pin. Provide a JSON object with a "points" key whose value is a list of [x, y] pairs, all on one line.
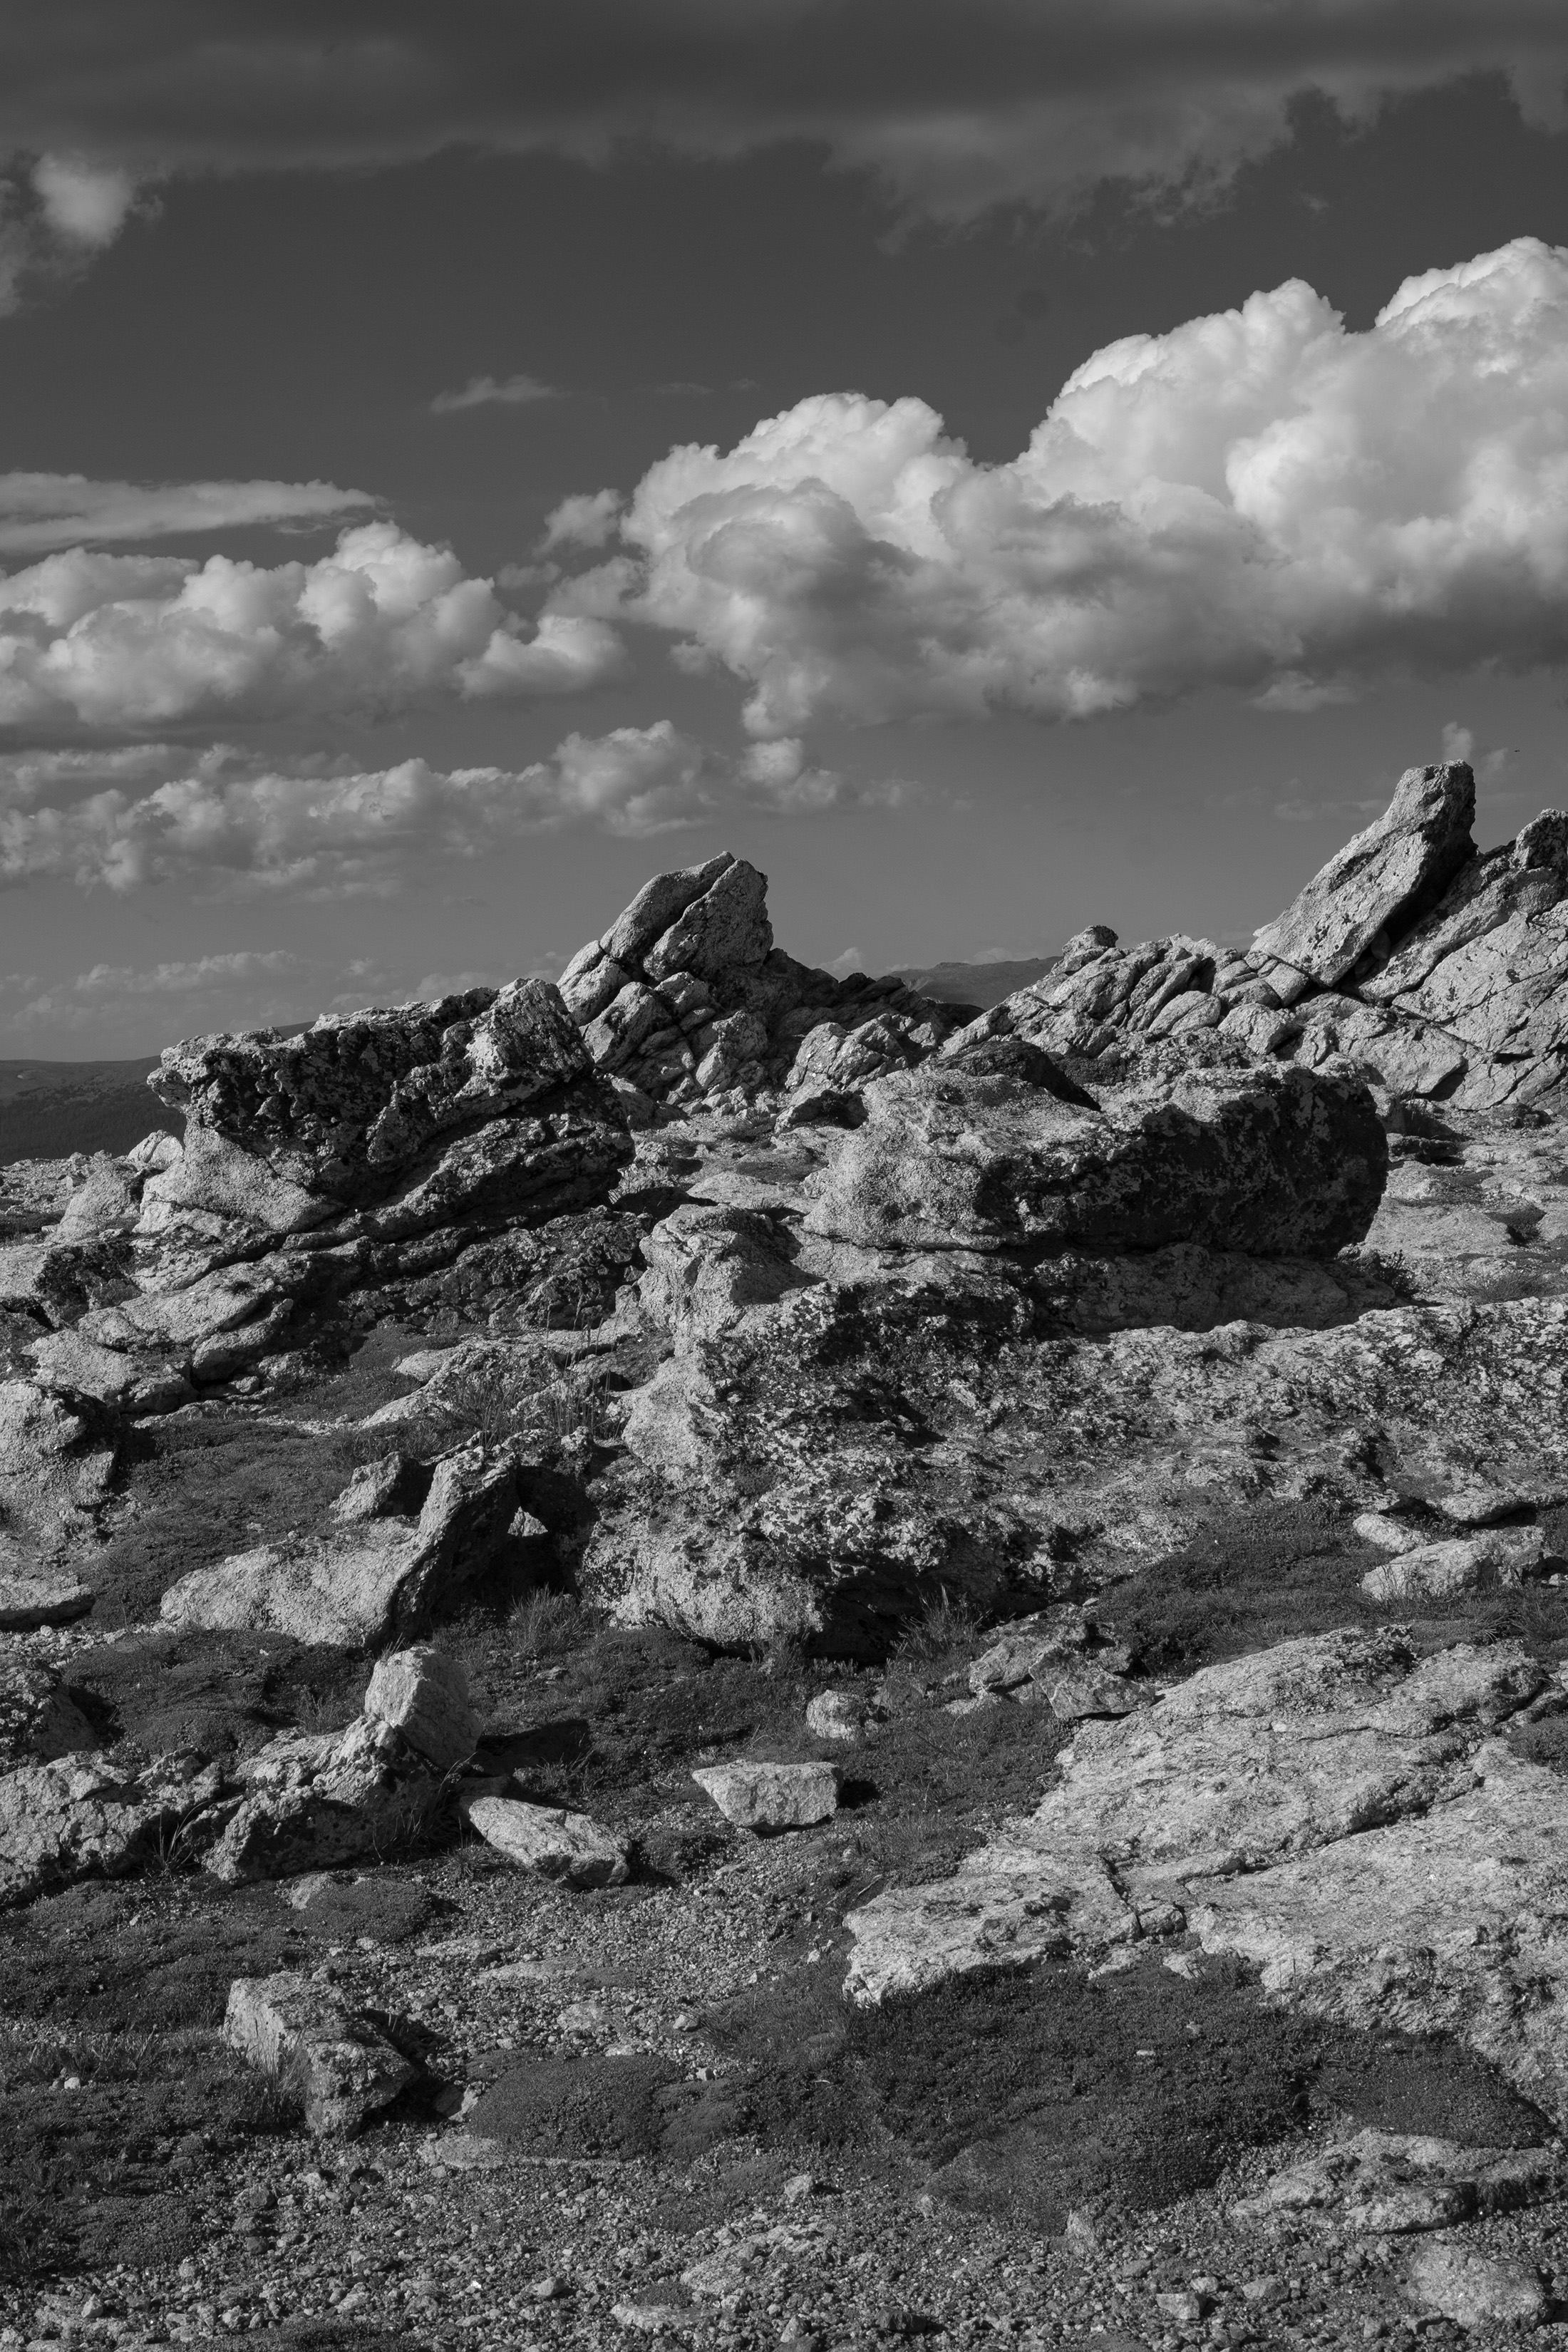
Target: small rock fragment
{"points": [[772, 1796], [302, 2031], [651, 2318], [1388, 1532], [838, 1715], [1085, 1691], [551, 1842]]}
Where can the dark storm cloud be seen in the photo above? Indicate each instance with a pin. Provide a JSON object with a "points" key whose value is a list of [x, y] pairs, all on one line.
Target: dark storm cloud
{"points": [[955, 104]]}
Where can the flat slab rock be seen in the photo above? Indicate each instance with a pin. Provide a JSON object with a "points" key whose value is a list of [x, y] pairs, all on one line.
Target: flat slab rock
{"points": [[1336, 1813], [550, 1841], [772, 1796], [304, 2033]]}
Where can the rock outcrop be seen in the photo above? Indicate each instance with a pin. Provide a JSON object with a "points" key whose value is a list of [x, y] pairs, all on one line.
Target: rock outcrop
{"points": [[1335, 1812], [684, 1000], [1438, 968], [994, 1147]]}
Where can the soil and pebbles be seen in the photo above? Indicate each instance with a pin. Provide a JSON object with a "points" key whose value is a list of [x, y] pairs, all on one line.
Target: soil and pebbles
{"points": [[750, 1660]]}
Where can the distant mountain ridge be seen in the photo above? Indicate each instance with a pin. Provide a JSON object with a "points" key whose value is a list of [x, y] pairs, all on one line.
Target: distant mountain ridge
{"points": [[49, 1110], [980, 985]]}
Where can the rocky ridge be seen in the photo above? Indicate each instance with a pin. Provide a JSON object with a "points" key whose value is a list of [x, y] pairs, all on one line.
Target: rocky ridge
{"points": [[1058, 1516]]}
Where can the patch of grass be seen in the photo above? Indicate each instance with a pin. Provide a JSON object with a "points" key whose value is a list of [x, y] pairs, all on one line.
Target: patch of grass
{"points": [[1031, 2091], [218, 1693], [113, 2079], [1253, 1578], [200, 1488]]}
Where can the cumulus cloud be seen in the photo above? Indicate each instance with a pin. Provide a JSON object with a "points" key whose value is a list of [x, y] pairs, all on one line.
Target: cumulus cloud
{"points": [[588, 520], [1261, 499], [38, 511], [954, 105], [127, 642], [485, 392], [85, 202]]}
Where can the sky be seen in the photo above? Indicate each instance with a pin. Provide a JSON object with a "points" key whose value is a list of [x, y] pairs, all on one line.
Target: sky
{"points": [[999, 465]]}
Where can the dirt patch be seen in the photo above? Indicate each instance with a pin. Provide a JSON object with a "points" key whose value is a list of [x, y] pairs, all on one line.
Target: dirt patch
{"points": [[1402, 2084], [110, 2140], [579, 2106]]}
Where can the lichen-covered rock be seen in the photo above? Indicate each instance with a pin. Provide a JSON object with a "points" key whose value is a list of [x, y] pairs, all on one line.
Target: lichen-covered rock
{"points": [[313, 1800], [1478, 2290], [1459, 1564], [994, 1147], [308, 2036], [757, 1796], [550, 1843], [423, 1693], [1439, 969], [104, 1814], [380, 1128], [1334, 1811]]}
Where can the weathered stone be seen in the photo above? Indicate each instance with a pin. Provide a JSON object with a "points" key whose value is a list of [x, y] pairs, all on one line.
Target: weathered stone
{"points": [[39, 1720], [1379, 884], [707, 1267], [1086, 1690], [726, 926], [368, 1576], [840, 1715], [994, 1147], [423, 1693], [1013, 1661], [31, 1600], [1458, 1565], [1478, 2290], [771, 1796], [1397, 2182], [100, 1815], [313, 1801], [549, 1841], [308, 2036]]}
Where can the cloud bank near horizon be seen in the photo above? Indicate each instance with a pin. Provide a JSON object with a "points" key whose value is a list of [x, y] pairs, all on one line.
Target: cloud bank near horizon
{"points": [[954, 106], [1261, 500], [125, 818], [385, 623]]}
